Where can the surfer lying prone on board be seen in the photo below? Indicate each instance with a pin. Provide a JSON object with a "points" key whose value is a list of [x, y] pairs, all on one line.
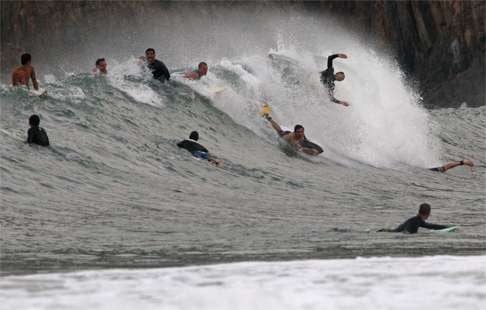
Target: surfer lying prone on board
{"points": [[412, 224], [296, 138], [197, 150]]}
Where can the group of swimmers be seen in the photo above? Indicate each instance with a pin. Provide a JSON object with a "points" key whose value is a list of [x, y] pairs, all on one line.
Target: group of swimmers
{"points": [[297, 138]]}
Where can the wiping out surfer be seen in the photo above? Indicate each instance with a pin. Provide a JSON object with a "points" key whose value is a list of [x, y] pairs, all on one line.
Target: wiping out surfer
{"points": [[197, 150], [328, 77], [412, 224], [296, 138], [22, 74]]}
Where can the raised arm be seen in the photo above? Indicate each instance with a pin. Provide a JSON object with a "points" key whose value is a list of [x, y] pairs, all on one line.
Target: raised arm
{"points": [[332, 57], [274, 125]]}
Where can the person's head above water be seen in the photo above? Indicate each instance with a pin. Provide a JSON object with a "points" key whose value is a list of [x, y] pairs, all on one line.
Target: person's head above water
{"points": [[339, 76], [299, 131], [194, 136], [202, 68], [150, 55], [34, 120], [424, 211], [25, 59], [101, 65]]}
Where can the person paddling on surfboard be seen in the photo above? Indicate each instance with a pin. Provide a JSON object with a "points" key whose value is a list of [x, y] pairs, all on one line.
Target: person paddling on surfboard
{"points": [[197, 150], [412, 224], [202, 70], [328, 77], [22, 74], [296, 138]]}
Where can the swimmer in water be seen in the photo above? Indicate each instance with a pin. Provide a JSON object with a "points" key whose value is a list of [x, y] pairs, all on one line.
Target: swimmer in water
{"points": [[22, 74]]}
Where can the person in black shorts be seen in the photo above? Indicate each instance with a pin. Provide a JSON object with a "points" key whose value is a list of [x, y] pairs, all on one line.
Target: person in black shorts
{"points": [[412, 224], [197, 150], [36, 134], [328, 77], [444, 168]]}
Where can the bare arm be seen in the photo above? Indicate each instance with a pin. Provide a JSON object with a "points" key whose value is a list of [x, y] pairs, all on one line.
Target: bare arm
{"points": [[34, 80], [275, 125]]}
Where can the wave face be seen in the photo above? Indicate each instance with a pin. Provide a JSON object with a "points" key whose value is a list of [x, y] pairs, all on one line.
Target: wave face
{"points": [[114, 189], [375, 283]]}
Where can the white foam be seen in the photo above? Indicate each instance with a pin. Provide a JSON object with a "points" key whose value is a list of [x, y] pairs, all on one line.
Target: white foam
{"points": [[441, 282], [119, 76]]}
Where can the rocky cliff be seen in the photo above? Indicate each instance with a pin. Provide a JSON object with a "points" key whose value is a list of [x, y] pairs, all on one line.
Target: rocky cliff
{"points": [[439, 44]]}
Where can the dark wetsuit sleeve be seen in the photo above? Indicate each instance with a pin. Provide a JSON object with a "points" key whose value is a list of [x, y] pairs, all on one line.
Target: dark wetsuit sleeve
{"points": [[30, 136], [330, 59], [432, 226], [331, 93]]}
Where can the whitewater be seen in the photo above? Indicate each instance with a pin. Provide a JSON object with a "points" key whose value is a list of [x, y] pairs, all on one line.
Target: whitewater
{"points": [[114, 190]]}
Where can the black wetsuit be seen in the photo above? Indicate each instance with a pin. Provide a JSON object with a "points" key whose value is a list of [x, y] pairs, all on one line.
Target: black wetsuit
{"points": [[328, 78], [159, 70], [192, 146], [412, 225], [37, 135]]}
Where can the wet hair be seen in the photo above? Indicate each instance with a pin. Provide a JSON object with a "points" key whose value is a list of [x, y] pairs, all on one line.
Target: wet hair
{"points": [[34, 120], [194, 136], [25, 58], [202, 63], [149, 50], [424, 209], [99, 60], [297, 127]]}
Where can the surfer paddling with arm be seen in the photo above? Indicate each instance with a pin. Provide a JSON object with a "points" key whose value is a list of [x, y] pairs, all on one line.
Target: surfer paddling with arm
{"points": [[412, 224], [197, 150], [328, 77], [22, 74], [296, 138]]}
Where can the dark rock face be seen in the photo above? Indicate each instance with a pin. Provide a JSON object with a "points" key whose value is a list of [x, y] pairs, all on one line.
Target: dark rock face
{"points": [[439, 44]]}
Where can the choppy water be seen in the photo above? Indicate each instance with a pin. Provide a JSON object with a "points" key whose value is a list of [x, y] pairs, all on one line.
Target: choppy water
{"points": [[115, 191]]}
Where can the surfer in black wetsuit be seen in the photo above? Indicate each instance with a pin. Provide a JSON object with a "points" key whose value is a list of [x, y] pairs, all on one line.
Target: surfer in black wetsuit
{"points": [[197, 150], [328, 77], [36, 134], [444, 168], [158, 68], [412, 224]]}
